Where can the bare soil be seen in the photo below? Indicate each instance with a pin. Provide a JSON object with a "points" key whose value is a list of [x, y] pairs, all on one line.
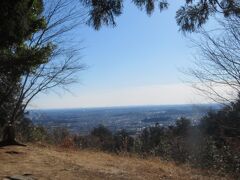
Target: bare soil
{"points": [[45, 162]]}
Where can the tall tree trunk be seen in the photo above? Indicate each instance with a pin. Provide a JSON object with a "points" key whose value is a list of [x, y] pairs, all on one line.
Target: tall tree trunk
{"points": [[9, 136], [9, 133]]}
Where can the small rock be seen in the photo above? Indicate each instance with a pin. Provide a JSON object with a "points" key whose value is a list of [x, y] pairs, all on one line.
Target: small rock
{"points": [[19, 177]]}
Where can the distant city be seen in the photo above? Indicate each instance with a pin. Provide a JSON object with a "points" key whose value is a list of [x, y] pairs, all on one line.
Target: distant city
{"points": [[132, 119]]}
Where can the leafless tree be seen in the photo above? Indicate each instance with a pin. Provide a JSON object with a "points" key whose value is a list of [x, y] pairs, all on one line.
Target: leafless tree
{"points": [[62, 66], [216, 71]]}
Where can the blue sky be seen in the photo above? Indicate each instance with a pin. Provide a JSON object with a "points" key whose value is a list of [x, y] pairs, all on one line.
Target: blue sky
{"points": [[135, 63]]}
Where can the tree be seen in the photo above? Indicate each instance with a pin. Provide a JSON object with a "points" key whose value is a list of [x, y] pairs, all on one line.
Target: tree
{"points": [[216, 72], [19, 20], [104, 137], [102, 132], [151, 137], [30, 31], [190, 17], [183, 126], [195, 13], [37, 59], [123, 141], [224, 123]]}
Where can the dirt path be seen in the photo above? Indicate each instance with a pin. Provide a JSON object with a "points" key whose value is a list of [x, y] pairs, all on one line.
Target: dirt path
{"points": [[38, 162]]}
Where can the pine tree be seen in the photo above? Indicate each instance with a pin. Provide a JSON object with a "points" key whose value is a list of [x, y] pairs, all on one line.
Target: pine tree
{"points": [[19, 20]]}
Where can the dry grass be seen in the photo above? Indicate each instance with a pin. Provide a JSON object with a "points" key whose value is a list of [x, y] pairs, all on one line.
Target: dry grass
{"points": [[42, 162]]}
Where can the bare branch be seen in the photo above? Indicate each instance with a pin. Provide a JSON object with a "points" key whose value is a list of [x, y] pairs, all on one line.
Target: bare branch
{"points": [[216, 73]]}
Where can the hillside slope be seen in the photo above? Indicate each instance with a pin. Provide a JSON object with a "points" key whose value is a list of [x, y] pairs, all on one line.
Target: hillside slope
{"points": [[40, 162]]}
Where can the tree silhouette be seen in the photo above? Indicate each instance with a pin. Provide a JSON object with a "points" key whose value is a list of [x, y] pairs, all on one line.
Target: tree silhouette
{"points": [[192, 15], [215, 73], [34, 56]]}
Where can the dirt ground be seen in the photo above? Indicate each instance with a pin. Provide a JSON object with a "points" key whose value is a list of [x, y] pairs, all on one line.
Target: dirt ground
{"points": [[43, 162]]}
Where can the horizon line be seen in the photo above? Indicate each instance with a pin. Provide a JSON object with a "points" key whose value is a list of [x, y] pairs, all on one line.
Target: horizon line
{"points": [[123, 106]]}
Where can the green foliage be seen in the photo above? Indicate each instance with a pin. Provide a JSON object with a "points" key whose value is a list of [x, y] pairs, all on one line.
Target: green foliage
{"points": [[9, 91], [123, 141], [103, 136], [224, 123], [149, 5], [190, 17], [195, 13], [207, 145], [183, 143], [19, 20], [101, 132], [150, 138], [183, 126], [104, 12], [24, 59], [28, 132]]}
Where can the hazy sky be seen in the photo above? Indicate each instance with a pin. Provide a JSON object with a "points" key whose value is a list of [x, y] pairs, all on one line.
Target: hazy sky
{"points": [[135, 63]]}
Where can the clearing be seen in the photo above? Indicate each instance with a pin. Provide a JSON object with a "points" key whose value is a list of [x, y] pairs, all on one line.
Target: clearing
{"points": [[46, 162]]}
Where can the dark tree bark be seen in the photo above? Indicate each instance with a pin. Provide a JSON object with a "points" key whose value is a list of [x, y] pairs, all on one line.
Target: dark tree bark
{"points": [[56, 65], [9, 137]]}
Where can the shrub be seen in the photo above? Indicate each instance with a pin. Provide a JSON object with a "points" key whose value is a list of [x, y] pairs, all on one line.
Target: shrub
{"points": [[39, 133], [123, 142], [58, 135], [150, 138], [213, 143], [103, 138], [183, 126]]}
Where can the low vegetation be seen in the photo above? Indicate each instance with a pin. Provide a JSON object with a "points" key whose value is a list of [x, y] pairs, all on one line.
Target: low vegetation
{"points": [[212, 144], [39, 161]]}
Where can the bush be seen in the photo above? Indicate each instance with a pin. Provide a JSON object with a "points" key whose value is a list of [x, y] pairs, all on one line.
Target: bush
{"points": [[183, 126], [89, 141], [103, 138], [40, 134], [24, 130], [58, 135], [123, 142], [150, 138], [210, 144]]}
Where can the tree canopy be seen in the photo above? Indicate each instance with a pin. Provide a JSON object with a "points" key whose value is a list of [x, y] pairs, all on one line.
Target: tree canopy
{"points": [[190, 16], [19, 20], [31, 60]]}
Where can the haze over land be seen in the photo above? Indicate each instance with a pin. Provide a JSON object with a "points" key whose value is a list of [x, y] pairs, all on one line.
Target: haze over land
{"points": [[132, 119], [135, 63], [119, 108]]}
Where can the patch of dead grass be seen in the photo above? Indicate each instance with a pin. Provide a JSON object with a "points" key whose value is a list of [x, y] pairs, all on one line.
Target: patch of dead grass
{"points": [[46, 162]]}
